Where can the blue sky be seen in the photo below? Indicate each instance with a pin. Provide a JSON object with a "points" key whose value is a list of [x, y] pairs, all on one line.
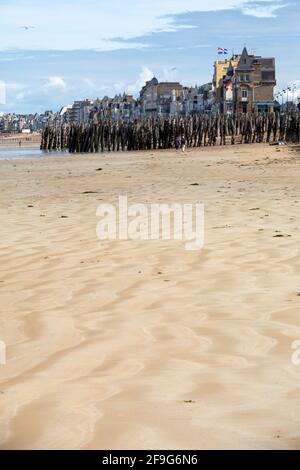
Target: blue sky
{"points": [[87, 49]]}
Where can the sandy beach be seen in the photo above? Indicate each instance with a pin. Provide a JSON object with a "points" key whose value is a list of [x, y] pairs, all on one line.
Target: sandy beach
{"points": [[142, 344], [20, 140]]}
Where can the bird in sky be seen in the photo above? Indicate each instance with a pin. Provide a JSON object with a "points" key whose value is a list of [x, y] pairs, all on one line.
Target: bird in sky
{"points": [[27, 27]]}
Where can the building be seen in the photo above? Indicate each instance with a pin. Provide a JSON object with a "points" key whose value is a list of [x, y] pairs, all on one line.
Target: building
{"points": [[161, 98], [123, 107], [120, 107], [225, 104], [79, 112], [148, 97], [192, 100], [254, 84], [221, 69], [169, 98], [14, 123], [247, 86], [64, 114]]}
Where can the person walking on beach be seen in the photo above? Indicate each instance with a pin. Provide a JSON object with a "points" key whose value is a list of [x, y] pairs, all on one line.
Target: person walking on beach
{"points": [[177, 143], [183, 143]]}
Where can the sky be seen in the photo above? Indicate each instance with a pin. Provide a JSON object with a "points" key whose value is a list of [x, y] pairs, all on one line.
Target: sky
{"points": [[52, 53]]}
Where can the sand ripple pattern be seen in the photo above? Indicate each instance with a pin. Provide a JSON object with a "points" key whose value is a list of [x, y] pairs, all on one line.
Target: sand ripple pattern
{"points": [[143, 344]]}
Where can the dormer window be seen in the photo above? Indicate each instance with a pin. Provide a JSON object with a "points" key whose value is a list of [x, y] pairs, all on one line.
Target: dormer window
{"points": [[245, 78]]}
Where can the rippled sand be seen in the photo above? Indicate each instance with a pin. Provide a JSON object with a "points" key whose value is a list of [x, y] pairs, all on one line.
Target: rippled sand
{"points": [[144, 345]]}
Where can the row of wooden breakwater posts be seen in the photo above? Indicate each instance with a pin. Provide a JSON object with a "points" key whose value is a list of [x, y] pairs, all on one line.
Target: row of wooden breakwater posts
{"points": [[151, 134]]}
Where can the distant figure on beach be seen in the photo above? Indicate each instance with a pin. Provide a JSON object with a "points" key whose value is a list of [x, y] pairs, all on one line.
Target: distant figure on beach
{"points": [[177, 143], [20, 143], [183, 143]]}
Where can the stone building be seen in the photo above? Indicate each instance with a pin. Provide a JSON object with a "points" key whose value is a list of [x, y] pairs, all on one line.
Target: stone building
{"points": [[161, 98], [148, 97], [254, 82], [169, 98], [248, 85]]}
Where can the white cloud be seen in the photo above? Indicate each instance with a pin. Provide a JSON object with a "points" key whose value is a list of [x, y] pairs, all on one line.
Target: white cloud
{"points": [[262, 11], [169, 74], [102, 25], [145, 75], [55, 83]]}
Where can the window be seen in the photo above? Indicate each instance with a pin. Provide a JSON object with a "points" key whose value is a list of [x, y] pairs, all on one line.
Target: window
{"points": [[244, 93], [245, 78]]}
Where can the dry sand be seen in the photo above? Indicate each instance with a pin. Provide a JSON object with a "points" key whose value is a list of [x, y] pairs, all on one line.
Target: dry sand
{"points": [[144, 345]]}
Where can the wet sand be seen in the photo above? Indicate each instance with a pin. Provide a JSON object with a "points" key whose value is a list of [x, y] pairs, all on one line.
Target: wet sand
{"points": [[144, 345]]}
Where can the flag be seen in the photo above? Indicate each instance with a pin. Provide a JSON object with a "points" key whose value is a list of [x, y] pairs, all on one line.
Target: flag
{"points": [[222, 51]]}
